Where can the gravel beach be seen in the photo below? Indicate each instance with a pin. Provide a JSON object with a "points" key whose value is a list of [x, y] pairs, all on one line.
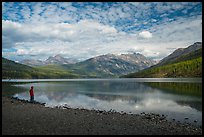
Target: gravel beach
{"points": [[24, 118]]}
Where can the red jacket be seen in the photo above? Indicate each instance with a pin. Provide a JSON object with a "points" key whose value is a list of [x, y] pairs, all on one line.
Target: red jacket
{"points": [[31, 92]]}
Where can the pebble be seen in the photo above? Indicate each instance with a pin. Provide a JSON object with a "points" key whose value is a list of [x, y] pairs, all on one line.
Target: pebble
{"points": [[162, 118], [148, 131], [148, 117]]}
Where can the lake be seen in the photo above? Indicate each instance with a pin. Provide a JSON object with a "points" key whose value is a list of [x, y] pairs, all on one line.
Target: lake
{"points": [[179, 99]]}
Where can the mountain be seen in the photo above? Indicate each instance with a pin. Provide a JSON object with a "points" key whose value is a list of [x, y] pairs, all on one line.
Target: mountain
{"points": [[174, 57], [183, 62], [13, 70], [111, 65], [57, 60], [32, 62], [103, 66]]}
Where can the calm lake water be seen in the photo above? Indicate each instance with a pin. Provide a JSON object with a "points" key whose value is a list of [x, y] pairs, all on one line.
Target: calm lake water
{"points": [[176, 98]]}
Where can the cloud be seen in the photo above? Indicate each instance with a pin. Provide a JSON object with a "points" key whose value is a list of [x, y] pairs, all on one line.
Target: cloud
{"points": [[182, 29], [84, 30], [89, 38], [52, 39], [145, 34], [119, 15], [17, 32]]}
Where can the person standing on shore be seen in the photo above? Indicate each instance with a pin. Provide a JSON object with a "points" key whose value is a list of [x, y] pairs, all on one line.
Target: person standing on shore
{"points": [[31, 94]]}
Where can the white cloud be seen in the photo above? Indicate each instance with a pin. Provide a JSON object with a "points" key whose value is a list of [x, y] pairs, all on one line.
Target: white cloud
{"points": [[89, 38], [61, 31], [92, 30], [154, 20], [183, 29], [51, 39], [145, 34]]}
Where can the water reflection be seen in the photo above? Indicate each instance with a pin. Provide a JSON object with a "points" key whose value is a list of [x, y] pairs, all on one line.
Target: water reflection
{"points": [[127, 96]]}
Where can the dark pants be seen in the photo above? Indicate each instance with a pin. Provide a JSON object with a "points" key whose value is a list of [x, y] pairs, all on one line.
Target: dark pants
{"points": [[31, 98]]}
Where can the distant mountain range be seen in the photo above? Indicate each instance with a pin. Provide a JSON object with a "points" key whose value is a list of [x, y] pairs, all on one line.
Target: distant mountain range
{"points": [[57, 60], [108, 65], [183, 62], [13, 70]]}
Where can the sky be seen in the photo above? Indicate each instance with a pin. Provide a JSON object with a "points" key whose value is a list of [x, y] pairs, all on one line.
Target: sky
{"points": [[81, 30]]}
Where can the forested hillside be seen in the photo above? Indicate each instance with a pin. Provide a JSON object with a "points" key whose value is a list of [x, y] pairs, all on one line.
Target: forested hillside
{"points": [[183, 62], [13, 70]]}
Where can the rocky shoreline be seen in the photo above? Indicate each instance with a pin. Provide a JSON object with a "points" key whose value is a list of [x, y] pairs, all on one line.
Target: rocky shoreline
{"points": [[21, 117]]}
